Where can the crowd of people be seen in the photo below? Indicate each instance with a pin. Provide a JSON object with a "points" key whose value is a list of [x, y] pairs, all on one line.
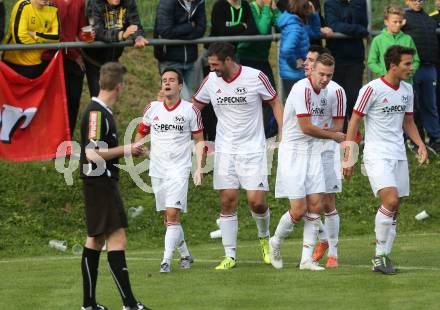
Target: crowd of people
{"points": [[235, 104]]}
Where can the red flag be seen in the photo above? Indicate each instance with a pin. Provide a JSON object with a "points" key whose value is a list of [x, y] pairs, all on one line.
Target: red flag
{"points": [[33, 113]]}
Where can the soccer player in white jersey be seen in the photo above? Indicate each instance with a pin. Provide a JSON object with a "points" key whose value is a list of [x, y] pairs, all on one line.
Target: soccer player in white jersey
{"points": [[236, 93], [300, 175], [171, 123], [333, 119], [387, 104]]}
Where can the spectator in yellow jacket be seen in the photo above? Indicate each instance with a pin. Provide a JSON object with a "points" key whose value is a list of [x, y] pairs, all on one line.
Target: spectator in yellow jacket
{"points": [[32, 21]]}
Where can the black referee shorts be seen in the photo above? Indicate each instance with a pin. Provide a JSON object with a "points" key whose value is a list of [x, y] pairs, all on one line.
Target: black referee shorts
{"points": [[103, 206]]}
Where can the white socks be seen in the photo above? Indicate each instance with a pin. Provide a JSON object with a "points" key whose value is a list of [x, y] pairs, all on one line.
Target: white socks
{"points": [[311, 229], [172, 237], [262, 221], [391, 236], [332, 228], [284, 228], [229, 229], [383, 223], [181, 244]]}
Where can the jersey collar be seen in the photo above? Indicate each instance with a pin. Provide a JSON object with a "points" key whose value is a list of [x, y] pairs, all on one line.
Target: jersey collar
{"points": [[102, 104], [388, 84], [173, 107], [313, 87], [234, 77]]}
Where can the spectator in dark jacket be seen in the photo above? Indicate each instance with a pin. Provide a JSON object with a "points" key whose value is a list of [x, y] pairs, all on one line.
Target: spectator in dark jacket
{"points": [[185, 20], [350, 18], [422, 29], [2, 20], [113, 21], [435, 15]]}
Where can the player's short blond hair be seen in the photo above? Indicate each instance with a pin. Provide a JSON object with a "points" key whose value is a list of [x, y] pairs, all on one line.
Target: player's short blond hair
{"points": [[325, 59], [392, 10]]}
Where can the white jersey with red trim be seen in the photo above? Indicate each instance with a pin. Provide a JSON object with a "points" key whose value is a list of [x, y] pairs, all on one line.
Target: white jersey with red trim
{"points": [[171, 144], [237, 104], [384, 107], [305, 101], [333, 105]]}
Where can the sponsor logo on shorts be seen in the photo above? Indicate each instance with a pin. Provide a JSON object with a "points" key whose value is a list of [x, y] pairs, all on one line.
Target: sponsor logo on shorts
{"points": [[178, 203], [335, 187], [261, 184]]}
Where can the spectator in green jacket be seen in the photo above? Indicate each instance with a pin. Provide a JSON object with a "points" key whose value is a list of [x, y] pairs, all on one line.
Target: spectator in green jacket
{"points": [[391, 35], [256, 54]]}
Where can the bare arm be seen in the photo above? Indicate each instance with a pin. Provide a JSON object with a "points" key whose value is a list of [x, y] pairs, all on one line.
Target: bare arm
{"points": [[309, 129], [96, 155], [411, 130], [200, 157], [278, 111], [353, 127], [338, 125]]}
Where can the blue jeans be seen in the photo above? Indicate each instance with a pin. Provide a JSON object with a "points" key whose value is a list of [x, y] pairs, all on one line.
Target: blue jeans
{"points": [[187, 70], [425, 81]]}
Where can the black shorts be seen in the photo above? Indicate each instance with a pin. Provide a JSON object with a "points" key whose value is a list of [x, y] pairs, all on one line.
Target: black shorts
{"points": [[103, 205]]}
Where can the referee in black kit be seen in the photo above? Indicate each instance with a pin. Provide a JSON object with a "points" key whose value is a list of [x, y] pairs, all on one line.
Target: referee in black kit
{"points": [[105, 215]]}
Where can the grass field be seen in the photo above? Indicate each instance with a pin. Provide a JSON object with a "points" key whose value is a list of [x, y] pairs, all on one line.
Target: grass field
{"points": [[54, 281]]}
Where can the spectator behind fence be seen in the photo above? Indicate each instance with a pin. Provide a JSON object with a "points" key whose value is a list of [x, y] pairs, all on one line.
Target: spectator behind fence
{"points": [[325, 31], [435, 15], [34, 21], [256, 54], [422, 29], [113, 21], [390, 35], [349, 18], [2, 20], [295, 42], [185, 20], [72, 18]]}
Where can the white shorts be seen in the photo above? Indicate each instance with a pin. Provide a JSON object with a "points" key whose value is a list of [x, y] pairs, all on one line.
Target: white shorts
{"points": [[298, 174], [248, 171], [170, 193], [384, 173], [332, 172]]}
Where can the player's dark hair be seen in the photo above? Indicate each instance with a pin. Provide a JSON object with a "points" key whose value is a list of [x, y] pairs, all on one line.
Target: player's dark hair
{"points": [[222, 50], [176, 71], [319, 49], [394, 53], [110, 75]]}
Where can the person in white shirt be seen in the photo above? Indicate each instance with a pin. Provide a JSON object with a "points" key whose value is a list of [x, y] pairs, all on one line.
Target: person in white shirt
{"points": [[236, 93], [300, 175], [171, 123], [387, 104], [333, 118]]}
